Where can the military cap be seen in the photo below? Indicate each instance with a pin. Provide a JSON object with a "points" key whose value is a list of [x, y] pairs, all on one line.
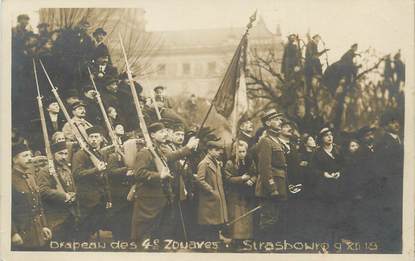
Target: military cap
{"points": [[23, 17], [354, 45], [93, 129], [77, 104], [56, 147], [99, 31], [19, 148], [215, 144], [155, 127], [271, 114]]}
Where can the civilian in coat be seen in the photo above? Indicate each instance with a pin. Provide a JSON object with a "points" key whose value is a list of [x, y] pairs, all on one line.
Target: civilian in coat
{"points": [[212, 209], [389, 158], [271, 187], [153, 214], [296, 204], [240, 178], [327, 165], [60, 202], [29, 227]]}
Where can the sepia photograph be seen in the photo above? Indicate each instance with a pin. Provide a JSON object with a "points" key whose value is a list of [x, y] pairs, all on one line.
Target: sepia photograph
{"points": [[250, 127]]}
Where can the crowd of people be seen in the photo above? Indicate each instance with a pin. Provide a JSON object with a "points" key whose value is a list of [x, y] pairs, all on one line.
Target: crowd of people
{"points": [[269, 184]]}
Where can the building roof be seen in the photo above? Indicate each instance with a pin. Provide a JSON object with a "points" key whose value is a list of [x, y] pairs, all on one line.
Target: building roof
{"points": [[211, 37]]}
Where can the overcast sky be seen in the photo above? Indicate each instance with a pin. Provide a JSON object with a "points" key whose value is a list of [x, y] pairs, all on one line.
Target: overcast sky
{"points": [[382, 24]]}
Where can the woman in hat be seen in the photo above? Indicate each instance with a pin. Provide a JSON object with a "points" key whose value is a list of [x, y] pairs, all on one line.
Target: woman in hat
{"points": [[240, 178], [327, 166]]}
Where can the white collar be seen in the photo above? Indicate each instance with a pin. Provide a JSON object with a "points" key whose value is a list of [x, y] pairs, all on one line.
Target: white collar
{"points": [[53, 116]]}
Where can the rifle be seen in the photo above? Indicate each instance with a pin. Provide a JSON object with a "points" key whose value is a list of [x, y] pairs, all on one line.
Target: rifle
{"points": [[111, 132], [156, 107], [51, 165], [52, 170], [161, 165], [82, 143]]}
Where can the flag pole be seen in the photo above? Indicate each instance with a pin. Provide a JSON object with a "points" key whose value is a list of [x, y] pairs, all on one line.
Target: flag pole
{"points": [[252, 18]]}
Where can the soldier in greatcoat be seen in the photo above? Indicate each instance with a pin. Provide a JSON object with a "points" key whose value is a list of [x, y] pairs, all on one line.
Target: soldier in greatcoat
{"points": [[154, 214], [60, 202], [29, 226]]}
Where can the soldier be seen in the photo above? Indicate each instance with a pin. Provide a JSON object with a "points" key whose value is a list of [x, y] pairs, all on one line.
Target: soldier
{"points": [[29, 227], [60, 199], [291, 57], [212, 209], [153, 213], [92, 186], [271, 187], [78, 119]]}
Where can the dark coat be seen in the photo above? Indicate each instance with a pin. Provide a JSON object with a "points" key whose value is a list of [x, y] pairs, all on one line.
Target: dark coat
{"points": [[271, 164], [60, 122], [91, 186], [389, 159], [56, 209], [28, 217], [312, 61], [150, 196], [290, 59], [327, 189], [212, 209], [93, 112]]}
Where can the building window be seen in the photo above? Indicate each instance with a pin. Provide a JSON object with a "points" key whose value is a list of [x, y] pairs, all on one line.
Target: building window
{"points": [[186, 68], [212, 68], [161, 69]]}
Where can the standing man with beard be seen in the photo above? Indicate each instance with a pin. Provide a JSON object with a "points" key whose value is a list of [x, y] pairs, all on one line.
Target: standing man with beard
{"points": [[154, 214], [271, 187], [79, 120], [29, 227], [60, 205]]}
